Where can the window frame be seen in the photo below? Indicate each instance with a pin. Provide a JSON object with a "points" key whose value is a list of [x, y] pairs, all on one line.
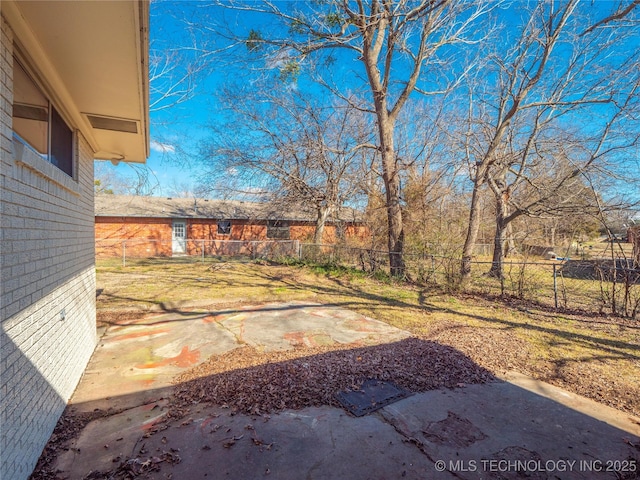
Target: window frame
{"points": [[60, 154], [278, 230]]}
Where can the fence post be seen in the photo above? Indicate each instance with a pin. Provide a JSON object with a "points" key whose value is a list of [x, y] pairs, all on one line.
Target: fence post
{"points": [[124, 253], [202, 250], [555, 285]]}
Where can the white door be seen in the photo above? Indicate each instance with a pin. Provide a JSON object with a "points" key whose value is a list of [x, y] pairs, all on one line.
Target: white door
{"points": [[179, 238]]}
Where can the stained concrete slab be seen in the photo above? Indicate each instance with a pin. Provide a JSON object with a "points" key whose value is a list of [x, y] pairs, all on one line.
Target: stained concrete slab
{"points": [[104, 442], [504, 430], [314, 443], [491, 431], [279, 326], [142, 356], [514, 428]]}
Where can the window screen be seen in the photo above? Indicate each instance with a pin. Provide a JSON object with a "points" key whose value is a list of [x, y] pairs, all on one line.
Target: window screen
{"points": [[37, 124], [61, 144]]}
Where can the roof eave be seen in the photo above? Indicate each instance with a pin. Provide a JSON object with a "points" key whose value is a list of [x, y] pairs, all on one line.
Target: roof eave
{"points": [[94, 88]]}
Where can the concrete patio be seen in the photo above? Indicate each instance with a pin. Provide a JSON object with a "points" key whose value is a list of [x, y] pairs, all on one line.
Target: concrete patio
{"points": [[515, 427]]}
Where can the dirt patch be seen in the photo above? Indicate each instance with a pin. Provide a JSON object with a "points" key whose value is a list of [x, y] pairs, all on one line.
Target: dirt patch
{"points": [[105, 318], [453, 431], [607, 378]]}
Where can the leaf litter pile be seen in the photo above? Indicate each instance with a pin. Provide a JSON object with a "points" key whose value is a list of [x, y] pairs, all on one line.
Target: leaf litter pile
{"points": [[254, 382]]}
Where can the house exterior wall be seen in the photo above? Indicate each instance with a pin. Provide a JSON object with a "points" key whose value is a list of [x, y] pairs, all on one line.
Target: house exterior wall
{"points": [[47, 293], [240, 230], [151, 237], [145, 237]]}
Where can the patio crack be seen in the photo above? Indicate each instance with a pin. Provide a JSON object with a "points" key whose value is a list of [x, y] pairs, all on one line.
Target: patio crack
{"points": [[237, 336], [219, 318], [407, 438]]}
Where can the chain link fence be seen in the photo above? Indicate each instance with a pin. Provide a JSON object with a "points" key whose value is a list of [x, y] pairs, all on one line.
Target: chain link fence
{"points": [[600, 285], [194, 250], [596, 286]]}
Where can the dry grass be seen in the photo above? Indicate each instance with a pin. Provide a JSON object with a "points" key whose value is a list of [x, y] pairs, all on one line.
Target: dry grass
{"points": [[595, 356]]}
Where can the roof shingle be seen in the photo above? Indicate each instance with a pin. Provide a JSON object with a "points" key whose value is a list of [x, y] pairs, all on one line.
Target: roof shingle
{"points": [[167, 207]]}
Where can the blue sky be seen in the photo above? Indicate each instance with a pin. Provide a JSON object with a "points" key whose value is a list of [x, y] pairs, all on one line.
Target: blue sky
{"points": [[178, 127], [176, 131], [167, 170]]}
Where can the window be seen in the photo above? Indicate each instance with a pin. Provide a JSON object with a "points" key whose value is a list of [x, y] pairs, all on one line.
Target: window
{"points": [[179, 230], [38, 124], [278, 229], [224, 227]]}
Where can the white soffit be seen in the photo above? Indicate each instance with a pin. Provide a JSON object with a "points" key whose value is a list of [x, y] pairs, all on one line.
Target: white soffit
{"points": [[99, 52]]}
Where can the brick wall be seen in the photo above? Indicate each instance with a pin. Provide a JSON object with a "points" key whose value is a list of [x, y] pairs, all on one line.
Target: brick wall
{"points": [[240, 230], [151, 237], [47, 293]]}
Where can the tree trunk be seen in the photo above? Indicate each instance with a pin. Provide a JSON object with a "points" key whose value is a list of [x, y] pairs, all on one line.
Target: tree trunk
{"points": [[373, 33], [395, 233], [501, 194], [499, 241], [321, 220], [472, 234], [510, 245]]}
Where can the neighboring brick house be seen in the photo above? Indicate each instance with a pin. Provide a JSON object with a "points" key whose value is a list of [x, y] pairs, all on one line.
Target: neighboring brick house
{"points": [[73, 88], [159, 226]]}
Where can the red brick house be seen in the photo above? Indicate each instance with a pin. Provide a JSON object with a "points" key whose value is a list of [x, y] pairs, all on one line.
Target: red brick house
{"points": [[160, 226]]}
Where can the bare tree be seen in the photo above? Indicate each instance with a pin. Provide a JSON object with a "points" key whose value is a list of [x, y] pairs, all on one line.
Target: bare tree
{"points": [[391, 50], [181, 55], [138, 179], [552, 76], [430, 171], [292, 150], [551, 188]]}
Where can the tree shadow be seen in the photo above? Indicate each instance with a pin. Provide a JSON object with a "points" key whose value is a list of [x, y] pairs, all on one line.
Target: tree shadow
{"points": [[600, 343], [306, 377], [341, 292], [248, 411], [372, 300]]}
